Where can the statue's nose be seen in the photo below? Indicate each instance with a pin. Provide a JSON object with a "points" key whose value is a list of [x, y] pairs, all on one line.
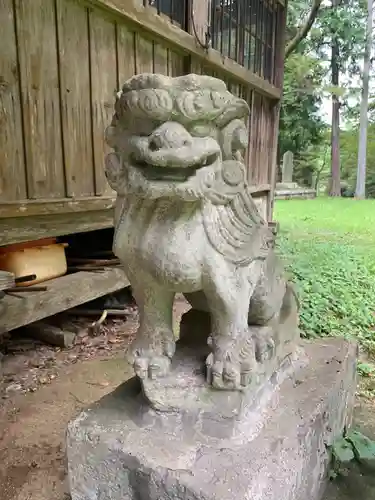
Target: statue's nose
{"points": [[170, 135]]}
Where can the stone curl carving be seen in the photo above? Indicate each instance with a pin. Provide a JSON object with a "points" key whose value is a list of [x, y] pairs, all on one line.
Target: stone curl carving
{"points": [[185, 222]]}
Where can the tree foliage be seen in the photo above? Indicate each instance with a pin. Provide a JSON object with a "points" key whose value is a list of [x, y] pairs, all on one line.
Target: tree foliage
{"points": [[301, 126], [308, 74]]}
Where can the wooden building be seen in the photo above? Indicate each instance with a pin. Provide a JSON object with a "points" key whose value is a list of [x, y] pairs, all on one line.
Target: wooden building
{"points": [[61, 62]]}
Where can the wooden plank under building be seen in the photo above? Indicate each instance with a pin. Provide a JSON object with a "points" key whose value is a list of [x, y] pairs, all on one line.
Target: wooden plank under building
{"points": [[19, 229], [62, 293]]}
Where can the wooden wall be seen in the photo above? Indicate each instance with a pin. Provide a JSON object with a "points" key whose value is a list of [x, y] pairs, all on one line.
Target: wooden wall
{"points": [[61, 63]]}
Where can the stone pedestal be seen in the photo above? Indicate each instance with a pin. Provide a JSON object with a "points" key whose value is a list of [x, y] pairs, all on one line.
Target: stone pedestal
{"points": [[287, 189], [219, 446], [293, 191]]}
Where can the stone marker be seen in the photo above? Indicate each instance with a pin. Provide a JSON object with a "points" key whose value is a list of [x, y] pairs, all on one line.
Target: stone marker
{"points": [[287, 189], [287, 167], [239, 408]]}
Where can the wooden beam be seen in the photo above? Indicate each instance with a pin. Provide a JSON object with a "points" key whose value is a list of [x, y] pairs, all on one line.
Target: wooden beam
{"points": [[146, 18], [279, 78], [273, 165], [62, 293], [259, 190], [28, 208], [19, 229], [50, 334]]}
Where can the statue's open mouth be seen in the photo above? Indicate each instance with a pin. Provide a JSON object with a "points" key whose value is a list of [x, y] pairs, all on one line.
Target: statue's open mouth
{"points": [[174, 165]]}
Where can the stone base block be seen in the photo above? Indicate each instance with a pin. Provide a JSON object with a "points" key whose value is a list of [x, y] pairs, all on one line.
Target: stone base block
{"points": [[122, 449], [283, 193]]}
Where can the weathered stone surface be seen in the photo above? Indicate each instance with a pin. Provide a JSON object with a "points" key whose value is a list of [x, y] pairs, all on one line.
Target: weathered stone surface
{"points": [[184, 388], [122, 449], [186, 223]]}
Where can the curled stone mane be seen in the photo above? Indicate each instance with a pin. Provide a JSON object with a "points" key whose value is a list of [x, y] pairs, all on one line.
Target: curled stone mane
{"points": [[183, 99]]}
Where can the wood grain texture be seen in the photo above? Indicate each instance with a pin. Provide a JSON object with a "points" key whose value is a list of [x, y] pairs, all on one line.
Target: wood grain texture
{"points": [[262, 203], [266, 143], [56, 206], [196, 66], [73, 40], [273, 162], [12, 165], [62, 293], [103, 90], [175, 63], [50, 334], [36, 33], [160, 58], [160, 27], [143, 54], [254, 143], [125, 54], [19, 229]]}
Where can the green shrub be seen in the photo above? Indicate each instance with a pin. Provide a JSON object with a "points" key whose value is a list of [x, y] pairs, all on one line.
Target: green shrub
{"points": [[336, 286]]}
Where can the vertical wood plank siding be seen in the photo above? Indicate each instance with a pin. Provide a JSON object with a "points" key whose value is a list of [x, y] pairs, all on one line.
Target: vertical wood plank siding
{"points": [[61, 64]]}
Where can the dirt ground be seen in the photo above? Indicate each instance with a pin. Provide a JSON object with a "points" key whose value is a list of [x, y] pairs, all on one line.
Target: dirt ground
{"points": [[48, 393]]}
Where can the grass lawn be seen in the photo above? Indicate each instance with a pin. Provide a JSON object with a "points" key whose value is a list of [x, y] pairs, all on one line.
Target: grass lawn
{"points": [[331, 219], [329, 249]]}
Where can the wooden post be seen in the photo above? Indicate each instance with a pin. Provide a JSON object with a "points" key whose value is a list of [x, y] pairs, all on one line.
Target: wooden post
{"points": [[278, 81]]}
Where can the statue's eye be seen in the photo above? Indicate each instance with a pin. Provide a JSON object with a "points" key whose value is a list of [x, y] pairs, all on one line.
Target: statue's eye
{"points": [[203, 130]]}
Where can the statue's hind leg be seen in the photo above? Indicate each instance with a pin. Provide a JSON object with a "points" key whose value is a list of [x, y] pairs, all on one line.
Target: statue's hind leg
{"points": [[152, 349], [265, 307]]}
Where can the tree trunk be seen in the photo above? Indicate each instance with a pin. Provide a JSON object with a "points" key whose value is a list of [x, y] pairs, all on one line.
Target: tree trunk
{"points": [[335, 182], [304, 30], [360, 190]]}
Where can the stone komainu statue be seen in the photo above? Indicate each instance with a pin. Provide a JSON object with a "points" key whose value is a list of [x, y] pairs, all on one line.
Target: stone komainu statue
{"points": [[185, 222]]}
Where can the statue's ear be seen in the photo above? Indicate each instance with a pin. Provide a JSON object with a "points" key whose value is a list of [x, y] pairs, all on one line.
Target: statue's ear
{"points": [[111, 136], [114, 172], [234, 138]]}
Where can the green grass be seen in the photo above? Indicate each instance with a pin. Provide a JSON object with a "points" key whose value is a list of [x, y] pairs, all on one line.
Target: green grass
{"points": [[335, 219], [329, 249]]}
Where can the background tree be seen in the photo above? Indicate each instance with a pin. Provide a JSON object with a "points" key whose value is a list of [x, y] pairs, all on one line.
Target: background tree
{"points": [[324, 65], [360, 190], [335, 184]]}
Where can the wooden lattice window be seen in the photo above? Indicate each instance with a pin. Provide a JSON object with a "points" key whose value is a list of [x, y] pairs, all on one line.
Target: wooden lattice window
{"points": [[176, 10], [246, 31]]}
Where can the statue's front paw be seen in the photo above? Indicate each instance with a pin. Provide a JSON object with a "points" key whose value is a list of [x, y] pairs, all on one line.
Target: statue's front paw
{"points": [[265, 347], [151, 366], [224, 373], [151, 357]]}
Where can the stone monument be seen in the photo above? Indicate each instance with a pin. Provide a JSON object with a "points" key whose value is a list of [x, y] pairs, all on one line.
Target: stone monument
{"points": [[287, 170], [238, 407], [287, 188]]}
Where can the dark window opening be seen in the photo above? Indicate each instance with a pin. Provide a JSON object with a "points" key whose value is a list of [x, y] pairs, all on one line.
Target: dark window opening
{"points": [[176, 10], [244, 30]]}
